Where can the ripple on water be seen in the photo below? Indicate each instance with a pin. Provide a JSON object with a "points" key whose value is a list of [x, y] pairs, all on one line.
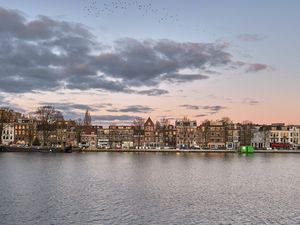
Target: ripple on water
{"points": [[149, 189]]}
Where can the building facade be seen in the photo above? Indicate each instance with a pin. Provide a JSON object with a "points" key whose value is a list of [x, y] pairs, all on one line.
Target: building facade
{"points": [[8, 134], [25, 131], [186, 131], [88, 137], [232, 136], [103, 138], [284, 137], [150, 140], [166, 136], [121, 136]]}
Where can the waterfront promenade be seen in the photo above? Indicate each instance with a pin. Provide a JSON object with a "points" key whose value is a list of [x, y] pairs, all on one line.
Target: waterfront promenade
{"points": [[58, 150], [186, 150]]}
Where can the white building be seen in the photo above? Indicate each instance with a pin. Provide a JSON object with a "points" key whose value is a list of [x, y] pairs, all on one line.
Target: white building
{"points": [[294, 136], [284, 137], [103, 138], [8, 134]]}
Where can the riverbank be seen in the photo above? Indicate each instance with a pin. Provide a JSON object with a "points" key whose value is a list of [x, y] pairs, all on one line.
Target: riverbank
{"points": [[157, 150], [186, 151], [78, 150], [32, 149]]}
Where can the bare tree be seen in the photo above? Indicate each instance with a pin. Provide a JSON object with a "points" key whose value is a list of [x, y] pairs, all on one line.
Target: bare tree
{"points": [[31, 128], [226, 126], [78, 129], [205, 132], [246, 132], [226, 120], [6, 116], [138, 124], [46, 117], [164, 122], [162, 130]]}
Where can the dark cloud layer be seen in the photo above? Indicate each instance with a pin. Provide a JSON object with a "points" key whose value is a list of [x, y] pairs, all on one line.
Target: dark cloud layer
{"points": [[147, 63], [46, 54]]}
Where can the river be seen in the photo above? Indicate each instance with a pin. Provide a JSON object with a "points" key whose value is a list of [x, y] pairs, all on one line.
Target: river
{"points": [[149, 188]]}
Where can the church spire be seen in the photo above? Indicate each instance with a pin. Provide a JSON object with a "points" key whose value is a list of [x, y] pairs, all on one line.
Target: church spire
{"points": [[87, 119]]}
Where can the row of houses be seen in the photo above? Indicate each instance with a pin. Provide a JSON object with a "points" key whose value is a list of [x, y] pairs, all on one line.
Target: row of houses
{"points": [[185, 133]]}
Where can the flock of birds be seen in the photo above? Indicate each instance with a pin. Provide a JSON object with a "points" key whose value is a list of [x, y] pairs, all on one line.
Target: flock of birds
{"points": [[98, 9]]}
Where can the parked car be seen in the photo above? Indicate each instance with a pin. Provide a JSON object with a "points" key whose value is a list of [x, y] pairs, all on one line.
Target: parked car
{"points": [[83, 145]]}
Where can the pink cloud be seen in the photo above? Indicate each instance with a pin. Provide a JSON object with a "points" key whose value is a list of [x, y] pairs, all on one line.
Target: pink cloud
{"points": [[255, 67]]}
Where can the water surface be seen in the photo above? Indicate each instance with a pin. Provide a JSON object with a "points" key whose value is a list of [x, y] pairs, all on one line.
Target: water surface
{"points": [[149, 188]]}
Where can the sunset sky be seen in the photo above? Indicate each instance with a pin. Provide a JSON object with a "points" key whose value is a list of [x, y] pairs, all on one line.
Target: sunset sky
{"points": [[137, 58]]}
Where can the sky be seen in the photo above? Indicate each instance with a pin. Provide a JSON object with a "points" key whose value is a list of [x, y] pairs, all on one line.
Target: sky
{"points": [[122, 59]]}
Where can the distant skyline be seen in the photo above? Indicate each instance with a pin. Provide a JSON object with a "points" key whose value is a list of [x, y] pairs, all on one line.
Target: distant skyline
{"points": [[124, 59]]}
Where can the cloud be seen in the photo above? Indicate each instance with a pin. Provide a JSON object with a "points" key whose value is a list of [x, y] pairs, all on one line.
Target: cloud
{"points": [[3, 102], [33, 54], [45, 54], [103, 105], [256, 67], [249, 37], [114, 118], [250, 101], [192, 107], [153, 92], [209, 109], [181, 78], [150, 62], [132, 109], [201, 115], [73, 115], [214, 109], [6, 102], [70, 106], [72, 111]]}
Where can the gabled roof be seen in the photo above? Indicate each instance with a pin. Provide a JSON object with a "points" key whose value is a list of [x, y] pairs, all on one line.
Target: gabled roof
{"points": [[149, 122]]}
